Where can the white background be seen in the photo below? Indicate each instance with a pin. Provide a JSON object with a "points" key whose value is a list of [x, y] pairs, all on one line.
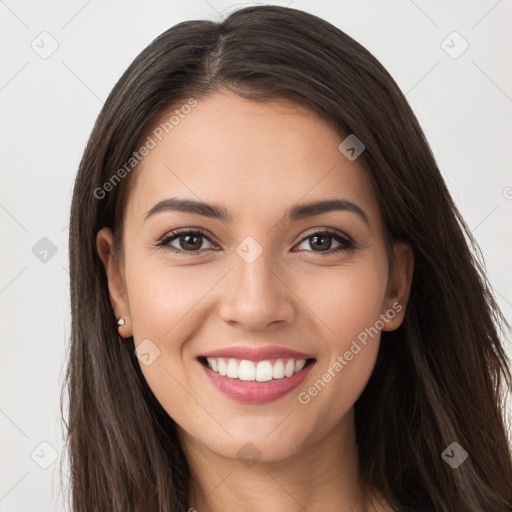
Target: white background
{"points": [[48, 107]]}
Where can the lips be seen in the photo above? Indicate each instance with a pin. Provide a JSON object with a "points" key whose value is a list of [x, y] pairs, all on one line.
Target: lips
{"points": [[256, 375], [258, 354]]}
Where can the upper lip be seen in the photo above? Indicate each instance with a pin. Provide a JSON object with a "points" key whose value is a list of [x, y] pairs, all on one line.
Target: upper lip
{"points": [[257, 354]]}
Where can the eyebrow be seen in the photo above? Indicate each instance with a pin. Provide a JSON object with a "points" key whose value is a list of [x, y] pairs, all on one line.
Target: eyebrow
{"points": [[295, 213]]}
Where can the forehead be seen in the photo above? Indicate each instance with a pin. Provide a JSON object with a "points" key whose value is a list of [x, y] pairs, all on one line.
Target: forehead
{"points": [[254, 158]]}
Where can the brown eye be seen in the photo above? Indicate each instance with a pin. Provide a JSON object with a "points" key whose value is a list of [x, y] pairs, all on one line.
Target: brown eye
{"points": [[185, 241], [322, 242]]}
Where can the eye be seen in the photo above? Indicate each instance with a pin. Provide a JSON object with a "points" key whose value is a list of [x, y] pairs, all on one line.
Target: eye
{"points": [[187, 241], [321, 242], [191, 241]]}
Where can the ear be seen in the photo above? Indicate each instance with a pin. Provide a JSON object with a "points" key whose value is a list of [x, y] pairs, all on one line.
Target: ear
{"points": [[116, 281], [399, 287]]}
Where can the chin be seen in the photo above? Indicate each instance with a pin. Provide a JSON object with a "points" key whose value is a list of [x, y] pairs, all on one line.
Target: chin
{"points": [[249, 450]]}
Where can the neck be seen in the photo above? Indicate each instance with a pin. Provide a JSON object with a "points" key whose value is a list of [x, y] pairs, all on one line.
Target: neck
{"points": [[321, 476]]}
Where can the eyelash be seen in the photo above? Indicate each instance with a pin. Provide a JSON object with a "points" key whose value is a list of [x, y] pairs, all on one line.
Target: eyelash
{"points": [[346, 243]]}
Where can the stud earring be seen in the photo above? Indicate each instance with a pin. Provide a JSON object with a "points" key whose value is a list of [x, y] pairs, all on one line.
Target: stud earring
{"points": [[120, 321]]}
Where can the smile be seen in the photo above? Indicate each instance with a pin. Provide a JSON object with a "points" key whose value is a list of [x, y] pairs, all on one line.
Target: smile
{"points": [[261, 371], [256, 375]]}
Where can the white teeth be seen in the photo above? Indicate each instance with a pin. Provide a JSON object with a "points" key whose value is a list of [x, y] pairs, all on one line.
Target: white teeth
{"points": [[223, 369], [246, 370], [264, 371], [212, 361], [232, 369], [261, 371], [289, 369], [278, 370]]}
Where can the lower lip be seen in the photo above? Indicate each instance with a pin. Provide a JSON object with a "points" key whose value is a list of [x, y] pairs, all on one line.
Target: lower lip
{"points": [[256, 392]]}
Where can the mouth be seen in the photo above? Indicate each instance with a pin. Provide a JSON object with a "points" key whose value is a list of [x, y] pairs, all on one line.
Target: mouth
{"points": [[251, 381], [255, 371]]}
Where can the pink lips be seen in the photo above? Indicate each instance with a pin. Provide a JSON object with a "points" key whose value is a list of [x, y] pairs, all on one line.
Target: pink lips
{"points": [[252, 391], [258, 354]]}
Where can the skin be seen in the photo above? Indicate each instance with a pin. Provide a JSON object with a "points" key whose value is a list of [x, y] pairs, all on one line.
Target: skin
{"points": [[257, 160]]}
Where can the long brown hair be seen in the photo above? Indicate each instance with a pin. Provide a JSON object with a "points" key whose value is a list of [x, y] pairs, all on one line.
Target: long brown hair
{"points": [[438, 379]]}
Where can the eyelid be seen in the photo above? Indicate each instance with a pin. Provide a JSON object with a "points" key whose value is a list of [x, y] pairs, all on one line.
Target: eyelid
{"points": [[330, 231], [346, 242], [164, 241]]}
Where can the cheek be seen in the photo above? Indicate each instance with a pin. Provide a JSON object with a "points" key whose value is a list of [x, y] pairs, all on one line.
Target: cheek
{"points": [[348, 304], [345, 300], [166, 308], [164, 300]]}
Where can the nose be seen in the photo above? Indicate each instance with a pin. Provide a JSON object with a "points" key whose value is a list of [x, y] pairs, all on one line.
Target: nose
{"points": [[256, 295]]}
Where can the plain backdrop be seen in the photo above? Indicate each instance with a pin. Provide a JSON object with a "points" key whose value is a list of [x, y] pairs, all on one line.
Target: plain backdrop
{"points": [[451, 59]]}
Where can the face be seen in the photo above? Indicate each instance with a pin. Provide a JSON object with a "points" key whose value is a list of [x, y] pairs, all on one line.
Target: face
{"points": [[289, 301]]}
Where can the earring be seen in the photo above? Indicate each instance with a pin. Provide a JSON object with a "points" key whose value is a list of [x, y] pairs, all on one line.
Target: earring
{"points": [[120, 321]]}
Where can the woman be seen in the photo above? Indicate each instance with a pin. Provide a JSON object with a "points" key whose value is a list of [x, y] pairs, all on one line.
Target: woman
{"points": [[274, 302]]}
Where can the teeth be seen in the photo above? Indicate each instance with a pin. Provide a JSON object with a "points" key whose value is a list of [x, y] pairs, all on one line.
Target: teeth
{"points": [[289, 369], [278, 370], [223, 369], [261, 371], [264, 371], [232, 369], [246, 370]]}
